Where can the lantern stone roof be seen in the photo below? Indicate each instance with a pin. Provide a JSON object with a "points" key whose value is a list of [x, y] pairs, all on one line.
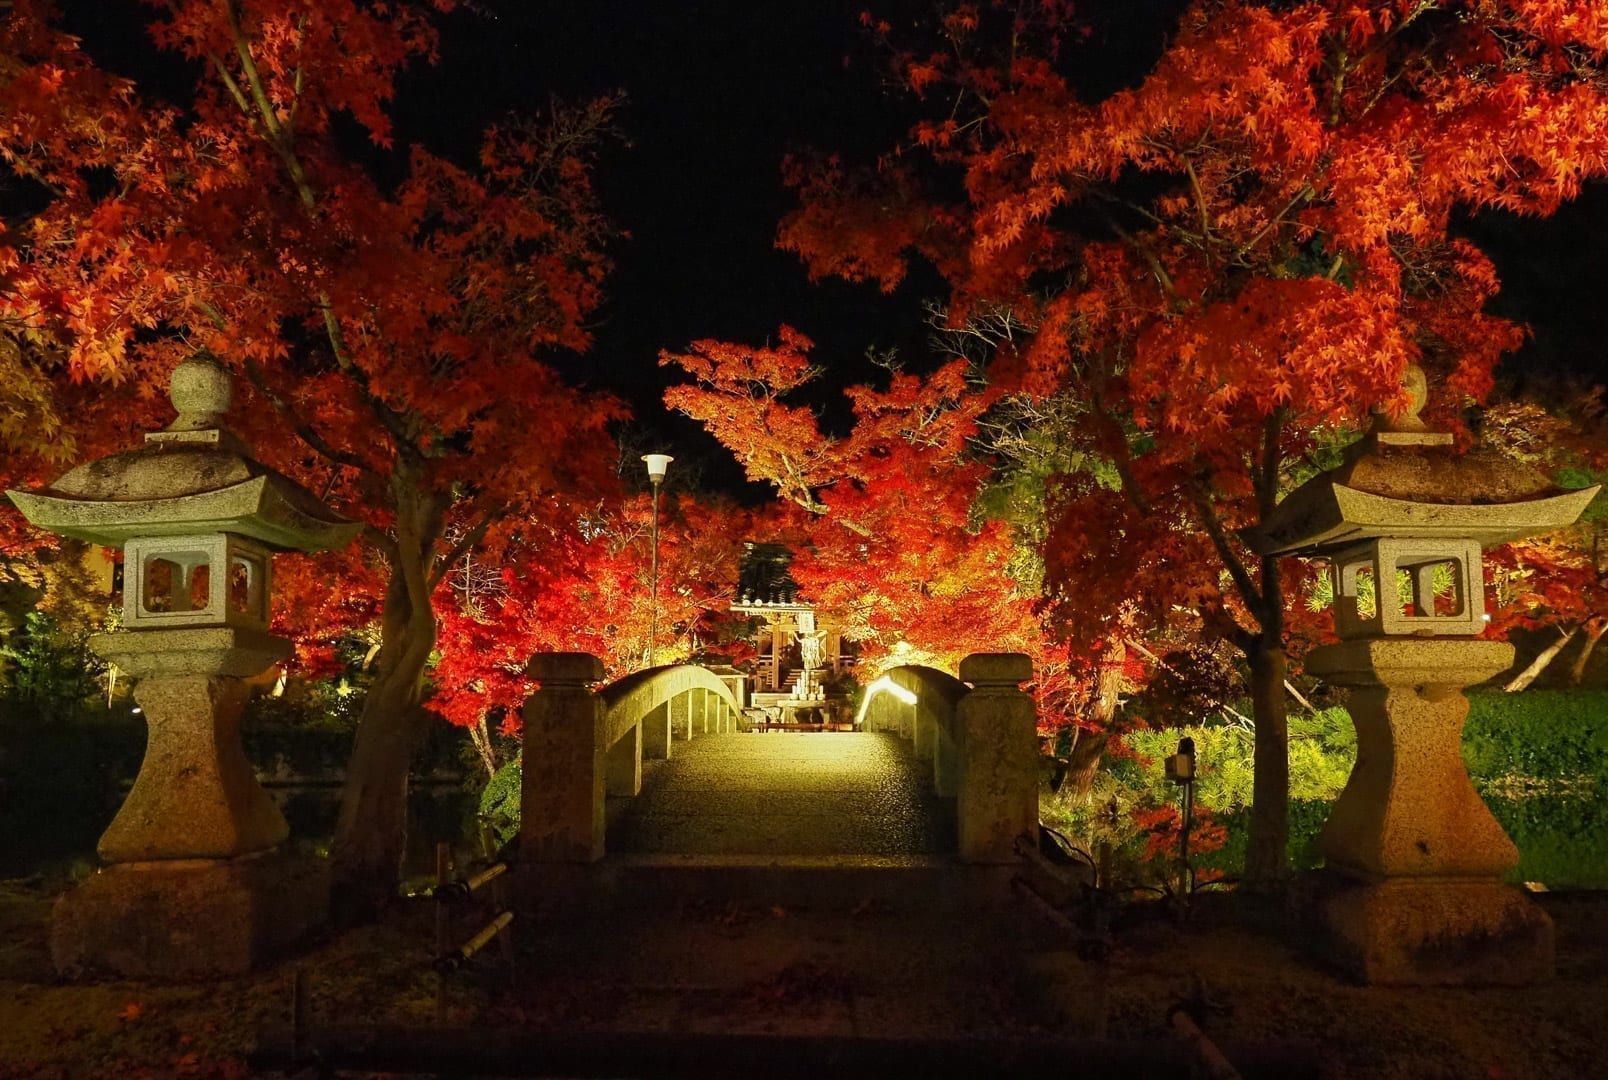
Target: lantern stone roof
{"points": [[193, 478], [1399, 484]]}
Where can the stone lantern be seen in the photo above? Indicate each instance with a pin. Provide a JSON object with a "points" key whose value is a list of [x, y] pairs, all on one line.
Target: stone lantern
{"points": [[193, 883], [1412, 890]]}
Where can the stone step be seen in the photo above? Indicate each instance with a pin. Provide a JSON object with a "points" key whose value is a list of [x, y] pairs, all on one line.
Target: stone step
{"points": [[831, 885]]}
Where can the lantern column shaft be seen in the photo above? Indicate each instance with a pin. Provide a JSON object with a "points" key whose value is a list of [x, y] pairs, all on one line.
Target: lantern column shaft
{"points": [[1412, 890]]}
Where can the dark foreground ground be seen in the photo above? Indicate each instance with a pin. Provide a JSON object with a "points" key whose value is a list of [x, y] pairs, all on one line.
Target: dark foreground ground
{"points": [[818, 968]]}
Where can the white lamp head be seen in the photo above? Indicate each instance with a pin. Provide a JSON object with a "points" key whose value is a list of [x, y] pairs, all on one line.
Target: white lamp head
{"points": [[657, 465]]}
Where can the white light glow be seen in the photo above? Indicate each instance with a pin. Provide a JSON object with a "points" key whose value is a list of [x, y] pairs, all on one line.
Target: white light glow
{"points": [[879, 686]]}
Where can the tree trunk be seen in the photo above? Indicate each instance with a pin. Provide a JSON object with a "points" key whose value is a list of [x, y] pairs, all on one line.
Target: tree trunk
{"points": [[480, 736], [371, 832], [1594, 631], [1084, 763], [1539, 664], [1266, 866]]}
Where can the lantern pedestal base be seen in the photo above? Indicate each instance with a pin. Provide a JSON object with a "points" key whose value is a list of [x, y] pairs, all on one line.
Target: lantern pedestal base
{"points": [[189, 918], [1427, 932]]}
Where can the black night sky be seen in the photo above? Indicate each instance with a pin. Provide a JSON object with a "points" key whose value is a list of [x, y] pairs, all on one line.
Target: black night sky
{"points": [[718, 91]]}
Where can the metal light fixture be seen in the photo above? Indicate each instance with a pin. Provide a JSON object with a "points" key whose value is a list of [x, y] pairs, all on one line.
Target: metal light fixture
{"points": [[658, 465]]}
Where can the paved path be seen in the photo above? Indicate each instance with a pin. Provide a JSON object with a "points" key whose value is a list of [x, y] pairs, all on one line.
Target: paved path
{"points": [[785, 793]]}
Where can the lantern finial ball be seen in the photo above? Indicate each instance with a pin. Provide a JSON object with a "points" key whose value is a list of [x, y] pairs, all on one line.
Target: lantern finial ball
{"points": [[1416, 388], [200, 391]]}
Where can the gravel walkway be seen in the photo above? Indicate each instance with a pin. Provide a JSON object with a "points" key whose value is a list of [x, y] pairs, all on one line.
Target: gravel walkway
{"points": [[776, 793]]}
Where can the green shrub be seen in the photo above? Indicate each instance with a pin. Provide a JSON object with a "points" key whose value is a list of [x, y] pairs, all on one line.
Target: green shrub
{"points": [[49, 674], [1540, 734], [499, 802], [1562, 839], [1322, 747], [1553, 742]]}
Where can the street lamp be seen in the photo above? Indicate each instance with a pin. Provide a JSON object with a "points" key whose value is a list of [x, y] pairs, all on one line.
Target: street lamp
{"points": [[657, 465]]}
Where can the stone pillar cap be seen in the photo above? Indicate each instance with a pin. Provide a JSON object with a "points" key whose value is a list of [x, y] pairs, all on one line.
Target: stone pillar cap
{"points": [[996, 669], [574, 668]]}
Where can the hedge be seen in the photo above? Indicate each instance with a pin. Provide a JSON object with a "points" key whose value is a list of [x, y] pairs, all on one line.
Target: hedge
{"points": [[61, 782], [1540, 734]]}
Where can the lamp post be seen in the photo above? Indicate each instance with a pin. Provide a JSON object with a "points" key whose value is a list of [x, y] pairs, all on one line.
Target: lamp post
{"points": [[657, 465]]}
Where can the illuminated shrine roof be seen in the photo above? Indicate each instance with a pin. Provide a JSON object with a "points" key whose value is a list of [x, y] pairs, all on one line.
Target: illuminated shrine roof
{"points": [[765, 582]]}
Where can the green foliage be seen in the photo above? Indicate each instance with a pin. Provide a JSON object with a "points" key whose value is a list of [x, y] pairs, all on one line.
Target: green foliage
{"points": [[1322, 747], [1306, 821], [1540, 759], [1562, 838], [1031, 444], [1549, 735], [50, 672], [499, 802]]}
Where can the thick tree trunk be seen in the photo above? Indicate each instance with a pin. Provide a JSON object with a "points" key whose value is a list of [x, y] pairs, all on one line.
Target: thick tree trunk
{"points": [[1083, 765], [1266, 866], [371, 832], [1594, 631], [1539, 664]]}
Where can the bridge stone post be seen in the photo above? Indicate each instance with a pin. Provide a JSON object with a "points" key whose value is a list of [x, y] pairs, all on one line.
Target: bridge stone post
{"points": [[562, 797], [656, 732], [681, 715], [945, 766], [700, 710], [997, 797], [625, 763]]}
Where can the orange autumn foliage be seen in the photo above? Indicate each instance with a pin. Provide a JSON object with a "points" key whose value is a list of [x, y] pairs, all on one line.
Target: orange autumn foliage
{"points": [[1224, 263], [882, 527], [390, 337]]}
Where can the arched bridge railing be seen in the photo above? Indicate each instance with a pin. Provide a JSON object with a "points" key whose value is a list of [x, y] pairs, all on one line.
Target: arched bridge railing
{"points": [[918, 703], [980, 734], [583, 744], [662, 703]]}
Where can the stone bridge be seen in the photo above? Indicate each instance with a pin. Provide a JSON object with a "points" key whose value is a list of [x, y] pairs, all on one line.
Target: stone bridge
{"points": [[969, 743]]}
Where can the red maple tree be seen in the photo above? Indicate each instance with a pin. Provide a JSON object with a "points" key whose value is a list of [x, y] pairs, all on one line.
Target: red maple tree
{"points": [[390, 335], [1558, 580], [583, 591], [882, 526], [1232, 258]]}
